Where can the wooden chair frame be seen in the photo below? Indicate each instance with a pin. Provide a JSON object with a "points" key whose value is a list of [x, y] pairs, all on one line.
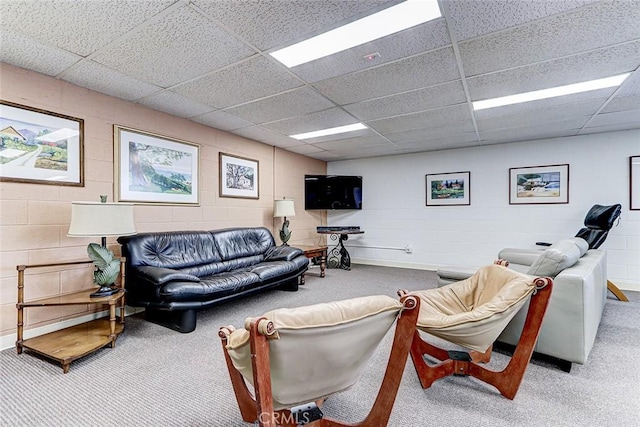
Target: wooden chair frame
{"points": [[506, 381], [260, 407]]}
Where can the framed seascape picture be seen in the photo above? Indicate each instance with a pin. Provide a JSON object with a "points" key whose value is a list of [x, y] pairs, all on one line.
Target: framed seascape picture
{"points": [[238, 177], [151, 168], [41, 147], [448, 189], [539, 185], [634, 183]]}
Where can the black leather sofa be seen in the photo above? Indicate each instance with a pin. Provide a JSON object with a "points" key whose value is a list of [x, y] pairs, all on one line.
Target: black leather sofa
{"points": [[175, 274]]}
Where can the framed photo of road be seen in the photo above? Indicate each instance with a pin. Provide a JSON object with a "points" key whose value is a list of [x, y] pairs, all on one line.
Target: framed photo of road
{"points": [[39, 146]]}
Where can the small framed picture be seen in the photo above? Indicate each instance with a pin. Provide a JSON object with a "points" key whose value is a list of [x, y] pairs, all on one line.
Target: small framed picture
{"points": [[448, 189], [539, 185], [40, 147], [151, 168], [634, 183], [239, 177]]}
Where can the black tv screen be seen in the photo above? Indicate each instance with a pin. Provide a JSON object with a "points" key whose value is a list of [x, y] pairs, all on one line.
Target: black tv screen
{"points": [[333, 192]]}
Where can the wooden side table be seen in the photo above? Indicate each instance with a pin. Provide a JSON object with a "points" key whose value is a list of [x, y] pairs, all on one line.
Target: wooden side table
{"points": [[69, 344], [311, 251]]}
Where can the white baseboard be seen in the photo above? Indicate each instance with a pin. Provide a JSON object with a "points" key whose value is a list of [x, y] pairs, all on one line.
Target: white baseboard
{"points": [[8, 341], [622, 285]]}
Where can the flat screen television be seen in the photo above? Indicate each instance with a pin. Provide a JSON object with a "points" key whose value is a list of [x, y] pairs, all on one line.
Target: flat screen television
{"points": [[334, 192]]}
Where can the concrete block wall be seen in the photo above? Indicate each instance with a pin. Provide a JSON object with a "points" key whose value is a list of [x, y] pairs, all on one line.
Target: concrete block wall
{"points": [[34, 218]]}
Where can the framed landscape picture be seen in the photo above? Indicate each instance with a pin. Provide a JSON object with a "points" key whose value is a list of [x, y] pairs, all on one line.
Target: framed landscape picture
{"points": [[539, 185], [238, 177], [151, 168], [634, 183], [38, 146], [448, 189]]}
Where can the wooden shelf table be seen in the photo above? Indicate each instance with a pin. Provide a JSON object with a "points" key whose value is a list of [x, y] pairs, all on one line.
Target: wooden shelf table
{"points": [[69, 344]]}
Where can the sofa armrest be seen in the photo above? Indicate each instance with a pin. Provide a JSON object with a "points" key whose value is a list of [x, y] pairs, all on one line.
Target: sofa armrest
{"points": [[161, 275], [282, 253], [521, 256]]}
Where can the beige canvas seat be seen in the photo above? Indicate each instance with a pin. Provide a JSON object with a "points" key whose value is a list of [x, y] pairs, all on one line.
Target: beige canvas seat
{"points": [[472, 313], [294, 357]]}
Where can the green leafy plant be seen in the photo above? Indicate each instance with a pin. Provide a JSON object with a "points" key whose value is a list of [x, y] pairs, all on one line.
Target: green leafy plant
{"points": [[107, 268]]}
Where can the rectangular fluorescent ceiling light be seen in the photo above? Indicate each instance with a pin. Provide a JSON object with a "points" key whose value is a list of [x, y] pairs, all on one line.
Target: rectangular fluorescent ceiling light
{"points": [[388, 21], [552, 92], [330, 131]]}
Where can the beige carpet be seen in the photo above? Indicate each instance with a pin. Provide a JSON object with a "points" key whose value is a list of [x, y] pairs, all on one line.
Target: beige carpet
{"points": [[158, 377]]}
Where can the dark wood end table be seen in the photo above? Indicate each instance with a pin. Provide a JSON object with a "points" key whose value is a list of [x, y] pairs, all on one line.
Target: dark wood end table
{"points": [[311, 251]]}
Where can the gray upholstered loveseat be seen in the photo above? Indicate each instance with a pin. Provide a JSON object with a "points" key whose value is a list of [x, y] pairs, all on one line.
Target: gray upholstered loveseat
{"points": [[175, 274], [577, 301]]}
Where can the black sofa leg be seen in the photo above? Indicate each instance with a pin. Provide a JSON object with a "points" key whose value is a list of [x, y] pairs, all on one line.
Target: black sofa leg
{"points": [[290, 286], [182, 321]]}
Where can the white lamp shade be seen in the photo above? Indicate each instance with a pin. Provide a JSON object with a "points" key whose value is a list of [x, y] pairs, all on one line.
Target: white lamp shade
{"points": [[283, 208], [101, 219]]}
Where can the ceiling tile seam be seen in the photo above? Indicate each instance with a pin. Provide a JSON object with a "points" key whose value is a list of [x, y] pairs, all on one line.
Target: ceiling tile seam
{"points": [[247, 43], [384, 64], [524, 24], [412, 113], [456, 52], [544, 61], [170, 9], [609, 99]]}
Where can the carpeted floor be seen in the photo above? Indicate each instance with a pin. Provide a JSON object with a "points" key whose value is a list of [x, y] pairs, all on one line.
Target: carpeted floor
{"points": [[155, 376]]}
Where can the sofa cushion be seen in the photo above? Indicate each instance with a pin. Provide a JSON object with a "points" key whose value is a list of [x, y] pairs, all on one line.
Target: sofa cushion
{"points": [[557, 257], [208, 288], [233, 244]]}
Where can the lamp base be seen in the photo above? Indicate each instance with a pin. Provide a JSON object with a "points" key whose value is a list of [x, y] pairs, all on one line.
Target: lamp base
{"points": [[105, 291]]}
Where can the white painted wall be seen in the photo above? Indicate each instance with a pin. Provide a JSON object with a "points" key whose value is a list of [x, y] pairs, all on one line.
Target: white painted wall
{"points": [[394, 212]]}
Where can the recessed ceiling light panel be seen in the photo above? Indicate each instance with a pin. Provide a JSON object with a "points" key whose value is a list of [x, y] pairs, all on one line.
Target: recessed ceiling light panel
{"points": [[330, 131], [551, 92], [388, 21]]}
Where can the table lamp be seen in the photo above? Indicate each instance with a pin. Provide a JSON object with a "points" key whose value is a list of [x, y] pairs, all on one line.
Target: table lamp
{"points": [[284, 208], [102, 219]]}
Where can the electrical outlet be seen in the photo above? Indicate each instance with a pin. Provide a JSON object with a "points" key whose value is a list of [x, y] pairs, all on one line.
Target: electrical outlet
{"points": [[408, 249]]}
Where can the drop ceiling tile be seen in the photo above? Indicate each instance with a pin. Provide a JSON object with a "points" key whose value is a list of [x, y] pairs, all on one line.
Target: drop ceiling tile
{"points": [[268, 24], [247, 81], [440, 142], [541, 116], [418, 100], [549, 130], [267, 136], [631, 85], [341, 136], [416, 72], [222, 120], [424, 119], [430, 133], [305, 149], [327, 156], [579, 68], [473, 18], [81, 27], [349, 143], [178, 47], [377, 151], [332, 117], [97, 77], [282, 106], [617, 118], [608, 128], [597, 26], [421, 38], [172, 103], [622, 103], [25, 52]]}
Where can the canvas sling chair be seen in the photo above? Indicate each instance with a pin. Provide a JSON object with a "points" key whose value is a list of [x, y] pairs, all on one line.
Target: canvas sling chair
{"points": [[295, 358], [472, 313]]}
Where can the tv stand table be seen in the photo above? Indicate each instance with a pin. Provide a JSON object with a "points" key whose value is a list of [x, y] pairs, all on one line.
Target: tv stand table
{"points": [[338, 256]]}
